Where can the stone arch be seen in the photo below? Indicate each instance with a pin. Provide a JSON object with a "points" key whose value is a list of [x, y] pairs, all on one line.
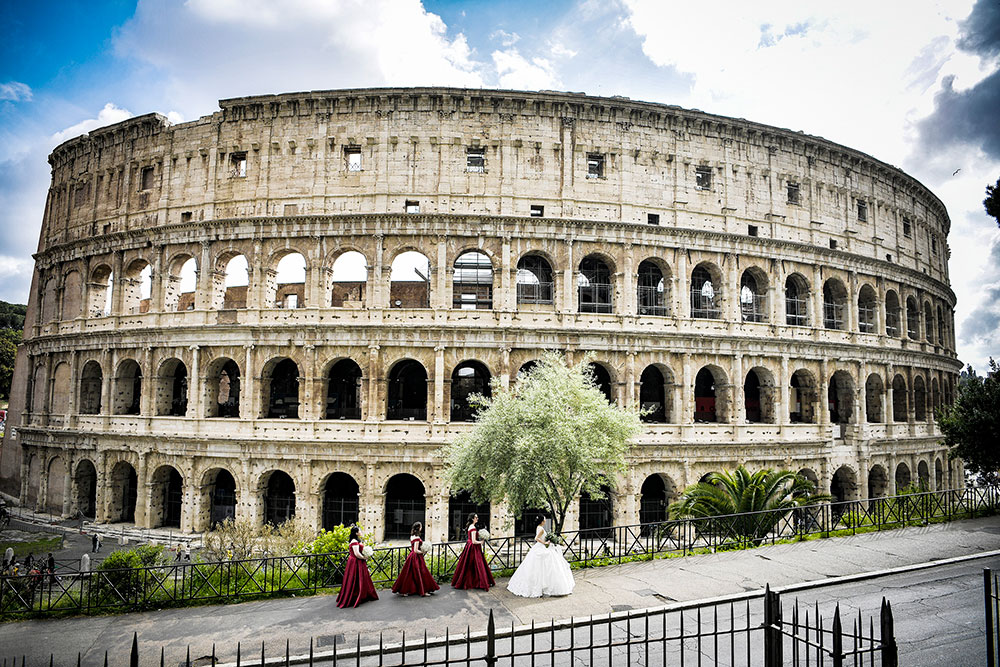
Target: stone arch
{"points": [[653, 288], [137, 285], [941, 337], [796, 300], [929, 323], [527, 367], [892, 321], [840, 397], [72, 296], [535, 279], [406, 394], [874, 393], [867, 309], [935, 399], [39, 390], [803, 396], [923, 475], [342, 390], [912, 318], [166, 497], [410, 280], [285, 286], [602, 378], [33, 486], [231, 281], [61, 389], [759, 396], [919, 399], [348, 279], [99, 290], [128, 388], [656, 386], [834, 304], [124, 485], [753, 295], [222, 388], [468, 378], [50, 301], [278, 497], [341, 495], [595, 284], [281, 389], [900, 411], [171, 389], [180, 283], [405, 504], [597, 515], [658, 490], [219, 499], [91, 386], [85, 488], [710, 400], [472, 281], [706, 296], [844, 484], [56, 476], [460, 507], [903, 477], [938, 474], [878, 481]]}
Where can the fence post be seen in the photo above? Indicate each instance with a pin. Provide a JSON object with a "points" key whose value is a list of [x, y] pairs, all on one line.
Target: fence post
{"points": [[772, 629], [133, 659], [837, 646], [988, 598], [491, 650], [890, 653]]}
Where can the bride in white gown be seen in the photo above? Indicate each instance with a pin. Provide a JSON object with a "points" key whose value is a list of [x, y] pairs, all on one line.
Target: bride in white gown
{"points": [[544, 571]]}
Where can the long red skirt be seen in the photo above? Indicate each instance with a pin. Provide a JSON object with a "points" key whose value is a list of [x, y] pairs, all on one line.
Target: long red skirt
{"points": [[471, 571], [357, 586], [414, 578]]}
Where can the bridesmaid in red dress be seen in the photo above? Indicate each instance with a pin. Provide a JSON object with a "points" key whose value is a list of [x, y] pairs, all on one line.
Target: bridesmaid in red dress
{"points": [[357, 586], [415, 577], [471, 571]]}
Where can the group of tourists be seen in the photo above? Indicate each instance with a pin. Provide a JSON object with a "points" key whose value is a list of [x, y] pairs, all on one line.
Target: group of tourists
{"points": [[544, 570], [37, 568]]}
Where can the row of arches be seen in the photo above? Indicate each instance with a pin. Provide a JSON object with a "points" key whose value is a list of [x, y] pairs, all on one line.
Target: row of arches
{"points": [[598, 286], [342, 392]]}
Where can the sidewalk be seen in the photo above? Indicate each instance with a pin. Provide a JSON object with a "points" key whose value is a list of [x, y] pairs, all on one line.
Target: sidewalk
{"points": [[598, 590]]}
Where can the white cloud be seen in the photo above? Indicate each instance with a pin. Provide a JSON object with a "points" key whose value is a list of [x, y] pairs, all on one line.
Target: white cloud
{"points": [[15, 91], [507, 39], [516, 71], [11, 267], [109, 115]]}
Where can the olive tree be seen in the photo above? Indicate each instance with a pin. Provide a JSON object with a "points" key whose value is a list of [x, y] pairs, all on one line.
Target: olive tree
{"points": [[543, 441]]}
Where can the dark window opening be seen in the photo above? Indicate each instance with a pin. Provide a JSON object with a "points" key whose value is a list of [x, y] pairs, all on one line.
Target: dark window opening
{"points": [[284, 396], [407, 392], [412, 206], [468, 378], [404, 506], [752, 230], [833, 244], [652, 396], [651, 290], [146, 179], [238, 165], [602, 380], [796, 312], [594, 286], [472, 284], [653, 218], [595, 165], [537, 211], [475, 160], [460, 508], [340, 501], [222, 501], [704, 303], [703, 178], [862, 211], [907, 227], [186, 216], [753, 299], [534, 280], [794, 195], [279, 498], [704, 397], [343, 397], [596, 514]]}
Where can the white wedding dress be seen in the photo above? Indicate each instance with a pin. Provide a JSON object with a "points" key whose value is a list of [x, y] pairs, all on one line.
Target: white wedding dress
{"points": [[544, 571]]}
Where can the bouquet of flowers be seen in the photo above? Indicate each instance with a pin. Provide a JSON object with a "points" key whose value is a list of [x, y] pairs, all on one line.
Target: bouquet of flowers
{"points": [[367, 552], [425, 547], [483, 534], [554, 538]]}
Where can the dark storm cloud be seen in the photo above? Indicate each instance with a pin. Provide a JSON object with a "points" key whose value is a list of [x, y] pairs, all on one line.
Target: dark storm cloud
{"points": [[968, 117], [984, 320]]}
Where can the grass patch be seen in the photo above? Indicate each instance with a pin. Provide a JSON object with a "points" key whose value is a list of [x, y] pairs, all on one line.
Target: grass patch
{"points": [[38, 547]]}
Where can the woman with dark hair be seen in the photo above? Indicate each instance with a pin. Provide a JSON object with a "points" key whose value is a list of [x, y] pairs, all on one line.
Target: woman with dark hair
{"points": [[544, 570], [471, 571], [415, 577], [357, 586]]}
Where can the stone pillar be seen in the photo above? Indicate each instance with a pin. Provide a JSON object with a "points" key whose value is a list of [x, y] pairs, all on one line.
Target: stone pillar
{"points": [[890, 415], [107, 383], [203, 293], [505, 367], [372, 408], [439, 413], [118, 284], [739, 409], [195, 406], [819, 315], [248, 386], [569, 280], [307, 402], [682, 286], [42, 501], [147, 386], [687, 392], [143, 484], [74, 387], [378, 277], [440, 271], [731, 292], [190, 498], [103, 491], [784, 383], [852, 302], [627, 282], [507, 298], [436, 528], [822, 395], [630, 379]]}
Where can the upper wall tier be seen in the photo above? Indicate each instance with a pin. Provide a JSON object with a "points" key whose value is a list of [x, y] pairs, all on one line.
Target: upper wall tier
{"points": [[492, 153]]}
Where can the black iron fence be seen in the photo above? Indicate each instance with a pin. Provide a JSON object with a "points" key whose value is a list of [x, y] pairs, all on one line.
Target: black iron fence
{"points": [[991, 595], [742, 630], [179, 583]]}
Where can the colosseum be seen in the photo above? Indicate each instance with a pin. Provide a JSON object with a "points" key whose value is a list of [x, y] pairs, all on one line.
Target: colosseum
{"points": [[282, 307]]}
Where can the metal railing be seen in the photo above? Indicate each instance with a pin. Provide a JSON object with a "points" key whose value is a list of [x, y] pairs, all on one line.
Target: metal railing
{"points": [[177, 583]]}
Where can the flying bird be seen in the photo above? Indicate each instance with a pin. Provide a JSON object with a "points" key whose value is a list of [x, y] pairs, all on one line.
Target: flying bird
{"points": [[956, 171]]}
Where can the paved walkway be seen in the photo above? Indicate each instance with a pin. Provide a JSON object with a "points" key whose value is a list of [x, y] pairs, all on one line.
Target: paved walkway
{"points": [[598, 590]]}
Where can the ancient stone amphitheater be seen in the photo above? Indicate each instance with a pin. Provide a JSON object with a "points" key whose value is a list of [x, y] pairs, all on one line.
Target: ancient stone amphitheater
{"points": [[359, 261]]}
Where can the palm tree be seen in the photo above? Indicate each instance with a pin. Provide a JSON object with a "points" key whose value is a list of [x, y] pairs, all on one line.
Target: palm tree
{"points": [[745, 505]]}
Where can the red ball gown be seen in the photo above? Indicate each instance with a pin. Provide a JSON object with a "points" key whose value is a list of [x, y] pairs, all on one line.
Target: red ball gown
{"points": [[471, 571], [357, 586], [415, 578]]}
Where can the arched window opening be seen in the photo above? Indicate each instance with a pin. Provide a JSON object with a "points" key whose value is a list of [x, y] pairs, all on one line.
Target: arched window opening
{"points": [[524, 525], [938, 475], [878, 482], [137, 287], [460, 506], [923, 476], [279, 498], [404, 505], [834, 304], [874, 391], [796, 301], [166, 497], [349, 280], [899, 407], [903, 478], [236, 283], [179, 287], [85, 481], [602, 380], [343, 395], [919, 399], [468, 378], [651, 297], [534, 280], [705, 397], [928, 323], [222, 498], [753, 298], [652, 396], [840, 397], [407, 394], [283, 398], [527, 367], [223, 387], [177, 395], [597, 514], [472, 284], [91, 380], [935, 400], [942, 340], [891, 314], [751, 397], [290, 282], [656, 494], [128, 388], [340, 501], [99, 289], [844, 485], [73, 293], [802, 398], [867, 309], [704, 303], [594, 286], [409, 281], [912, 319], [125, 489]]}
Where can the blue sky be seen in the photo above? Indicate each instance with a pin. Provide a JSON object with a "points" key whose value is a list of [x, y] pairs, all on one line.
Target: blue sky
{"points": [[915, 83]]}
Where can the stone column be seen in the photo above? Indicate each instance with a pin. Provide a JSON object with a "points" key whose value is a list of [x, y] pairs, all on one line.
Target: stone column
{"points": [[190, 496], [372, 409], [195, 406], [103, 491], [377, 296], [147, 386], [107, 383], [630, 379], [569, 280], [627, 281], [203, 293], [731, 292], [439, 413], [822, 395], [307, 403], [439, 270], [505, 367], [73, 389], [507, 297], [687, 392], [739, 409], [783, 382], [142, 504], [852, 302], [819, 315], [682, 286], [118, 284]]}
